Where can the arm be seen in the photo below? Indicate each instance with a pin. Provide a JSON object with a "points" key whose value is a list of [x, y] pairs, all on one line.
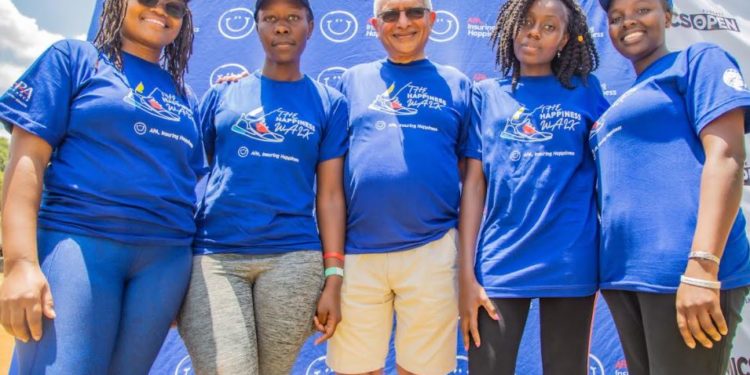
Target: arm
{"points": [[331, 214], [471, 294], [25, 294], [698, 309]]}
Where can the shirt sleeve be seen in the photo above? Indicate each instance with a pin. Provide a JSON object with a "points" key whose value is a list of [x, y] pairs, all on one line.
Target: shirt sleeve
{"points": [[714, 87], [199, 161], [39, 102], [473, 145], [465, 125], [206, 117], [334, 141], [599, 104]]}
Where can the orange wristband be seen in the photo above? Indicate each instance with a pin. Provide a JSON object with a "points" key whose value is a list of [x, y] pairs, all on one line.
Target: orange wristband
{"points": [[332, 254]]}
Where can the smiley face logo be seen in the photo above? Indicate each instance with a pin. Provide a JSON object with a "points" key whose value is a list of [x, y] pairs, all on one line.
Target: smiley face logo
{"points": [[331, 76], [445, 28], [318, 367], [224, 70], [140, 128], [595, 365], [339, 26], [380, 125], [236, 23], [184, 367]]}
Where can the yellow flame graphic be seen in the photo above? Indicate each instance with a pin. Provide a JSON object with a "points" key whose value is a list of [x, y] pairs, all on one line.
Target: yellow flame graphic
{"points": [[139, 88]]}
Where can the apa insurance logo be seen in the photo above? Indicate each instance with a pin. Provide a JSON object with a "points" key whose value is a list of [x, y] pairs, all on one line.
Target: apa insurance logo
{"points": [[339, 26], [236, 23], [446, 27]]}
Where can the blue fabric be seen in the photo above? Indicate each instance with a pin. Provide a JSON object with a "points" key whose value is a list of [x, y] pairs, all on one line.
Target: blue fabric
{"points": [[401, 175], [540, 232], [114, 304], [126, 149], [267, 138], [650, 159]]}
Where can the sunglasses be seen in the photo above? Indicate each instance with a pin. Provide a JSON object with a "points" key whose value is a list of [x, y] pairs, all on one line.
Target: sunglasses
{"points": [[175, 9], [390, 16]]}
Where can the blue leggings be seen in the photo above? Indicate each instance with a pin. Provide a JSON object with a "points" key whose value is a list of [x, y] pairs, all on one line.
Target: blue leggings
{"points": [[114, 303]]}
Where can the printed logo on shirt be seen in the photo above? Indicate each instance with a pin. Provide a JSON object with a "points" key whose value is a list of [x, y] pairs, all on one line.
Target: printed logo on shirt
{"points": [[184, 367], [21, 92], [273, 126], [339, 26], [236, 23], [158, 103], [733, 79], [621, 367], [538, 125], [445, 28], [406, 101]]}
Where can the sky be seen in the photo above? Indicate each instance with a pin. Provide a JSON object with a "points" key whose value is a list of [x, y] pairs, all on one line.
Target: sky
{"points": [[28, 27]]}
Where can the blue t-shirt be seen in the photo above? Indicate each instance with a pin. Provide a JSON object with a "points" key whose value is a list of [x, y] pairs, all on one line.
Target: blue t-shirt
{"points": [[650, 158], [401, 174], [267, 138], [126, 148], [540, 232]]}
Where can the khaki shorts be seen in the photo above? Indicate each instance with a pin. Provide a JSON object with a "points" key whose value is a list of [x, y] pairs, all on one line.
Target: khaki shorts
{"points": [[420, 286]]}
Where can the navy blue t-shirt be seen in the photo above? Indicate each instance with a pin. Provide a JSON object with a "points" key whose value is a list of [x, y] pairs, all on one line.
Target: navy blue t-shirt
{"points": [[540, 232], [401, 173], [267, 138], [126, 148], [650, 159]]}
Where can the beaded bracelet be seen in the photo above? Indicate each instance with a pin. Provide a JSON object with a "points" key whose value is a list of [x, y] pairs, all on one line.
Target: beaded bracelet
{"points": [[716, 285], [704, 255], [334, 271]]}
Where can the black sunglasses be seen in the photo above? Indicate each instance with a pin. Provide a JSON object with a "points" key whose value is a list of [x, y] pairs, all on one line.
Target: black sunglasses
{"points": [[175, 9], [393, 15]]}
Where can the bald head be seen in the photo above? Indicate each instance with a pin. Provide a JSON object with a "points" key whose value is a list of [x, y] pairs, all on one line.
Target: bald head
{"points": [[378, 4]]}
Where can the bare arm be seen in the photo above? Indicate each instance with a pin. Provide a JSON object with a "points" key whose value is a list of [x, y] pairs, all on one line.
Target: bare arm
{"points": [[331, 214], [698, 309], [471, 294], [25, 294]]}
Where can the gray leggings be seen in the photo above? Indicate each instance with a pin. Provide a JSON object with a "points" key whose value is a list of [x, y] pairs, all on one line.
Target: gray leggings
{"points": [[250, 314]]}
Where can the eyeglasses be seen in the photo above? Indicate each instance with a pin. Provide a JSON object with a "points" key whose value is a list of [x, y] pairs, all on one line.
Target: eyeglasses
{"points": [[175, 9], [393, 15]]}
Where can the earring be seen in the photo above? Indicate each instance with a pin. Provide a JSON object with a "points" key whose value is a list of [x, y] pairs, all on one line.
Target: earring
{"points": [[558, 54]]}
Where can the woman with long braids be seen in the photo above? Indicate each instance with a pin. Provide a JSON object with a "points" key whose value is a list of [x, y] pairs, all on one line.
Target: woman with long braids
{"points": [[674, 255], [529, 166], [99, 194]]}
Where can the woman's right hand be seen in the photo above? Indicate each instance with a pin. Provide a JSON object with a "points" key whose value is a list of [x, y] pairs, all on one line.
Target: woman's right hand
{"points": [[471, 297], [24, 297]]}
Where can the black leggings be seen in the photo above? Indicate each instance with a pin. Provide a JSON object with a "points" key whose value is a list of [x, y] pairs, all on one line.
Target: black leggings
{"points": [[565, 325], [652, 343]]}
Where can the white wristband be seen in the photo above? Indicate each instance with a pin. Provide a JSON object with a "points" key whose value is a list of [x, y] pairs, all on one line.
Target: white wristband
{"points": [[704, 255], [708, 284]]}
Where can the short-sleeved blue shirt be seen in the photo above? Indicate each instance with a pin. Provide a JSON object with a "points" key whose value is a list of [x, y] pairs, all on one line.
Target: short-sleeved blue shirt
{"points": [[267, 138], [540, 233], [401, 173], [650, 160], [126, 148]]}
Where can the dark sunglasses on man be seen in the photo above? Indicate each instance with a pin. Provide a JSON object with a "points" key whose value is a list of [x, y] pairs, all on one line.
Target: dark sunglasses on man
{"points": [[174, 9], [393, 15]]}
